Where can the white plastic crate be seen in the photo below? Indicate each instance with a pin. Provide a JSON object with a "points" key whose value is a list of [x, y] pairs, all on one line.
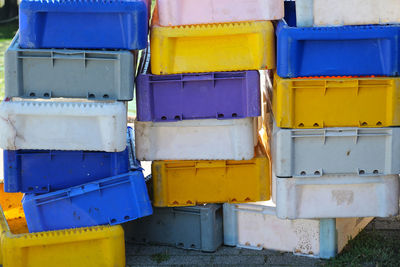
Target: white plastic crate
{"points": [[346, 12], [337, 196], [210, 139], [186, 12], [255, 226], [95, 126], [316, 152]]}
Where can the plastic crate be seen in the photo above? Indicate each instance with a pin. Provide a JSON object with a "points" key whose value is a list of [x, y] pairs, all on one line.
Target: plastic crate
{"points": [[188, 183], [337, 51], [220, 95], [339, 102], [184, 12], [194, 228], [111, 201], [337, 196], [93, 126], [93, 246], [346, 12], [212, 47], [85, 24], [255, 226], [92, 74], [209, 139], [317, 152], [42, 171]]}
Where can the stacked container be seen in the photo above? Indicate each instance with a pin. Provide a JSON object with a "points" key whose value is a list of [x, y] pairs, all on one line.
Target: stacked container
{"points": [[198, 104], [334, 135], [69, 74], [330, 132]]}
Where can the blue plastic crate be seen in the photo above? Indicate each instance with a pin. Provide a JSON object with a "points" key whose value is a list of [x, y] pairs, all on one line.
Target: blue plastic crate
{"points": [[113, 200], [337, 51], [84, 24], [43, 171]]}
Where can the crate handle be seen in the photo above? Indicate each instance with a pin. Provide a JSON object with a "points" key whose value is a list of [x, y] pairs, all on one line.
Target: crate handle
{"points": [[210, 164], [181, 210]]}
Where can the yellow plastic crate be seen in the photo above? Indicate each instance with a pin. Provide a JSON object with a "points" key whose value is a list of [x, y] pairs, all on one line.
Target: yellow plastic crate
{"points": [[92, 246], [188, 183], [212, 47], [336, 102]]}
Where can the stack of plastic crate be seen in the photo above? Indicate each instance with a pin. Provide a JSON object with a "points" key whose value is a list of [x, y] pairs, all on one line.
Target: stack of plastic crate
{"points": [[198, 105], [334, 139], [63, 128]]}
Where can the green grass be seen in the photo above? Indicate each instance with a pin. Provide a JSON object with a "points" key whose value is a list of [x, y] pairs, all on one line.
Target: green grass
{"points": [[7, 32], [369, 248], [160, 257]]}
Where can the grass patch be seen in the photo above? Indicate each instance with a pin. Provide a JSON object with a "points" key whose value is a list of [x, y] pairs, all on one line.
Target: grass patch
{"points": [[7, 32], [369, 248], [160, 257]]}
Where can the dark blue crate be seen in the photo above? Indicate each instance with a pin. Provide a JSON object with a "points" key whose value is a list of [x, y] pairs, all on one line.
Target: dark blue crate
{"points": [[84, 24], [42, 171], [113, 200], [337, 51]]}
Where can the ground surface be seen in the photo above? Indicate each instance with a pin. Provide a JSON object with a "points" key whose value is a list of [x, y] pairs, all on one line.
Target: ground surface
{"points": [[377, 245]]}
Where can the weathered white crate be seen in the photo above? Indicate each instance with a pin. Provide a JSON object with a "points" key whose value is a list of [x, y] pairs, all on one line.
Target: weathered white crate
{"points": [[346, 12], [255, 226], [210, 139], [316, 152], [95, 126], [337, 196], [185, 12]]}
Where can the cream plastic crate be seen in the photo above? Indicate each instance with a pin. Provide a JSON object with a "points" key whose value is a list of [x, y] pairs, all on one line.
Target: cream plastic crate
{"points": [[317, 152], [346, 12], [337, 196], [186, 12], [210, 139], [95, 126], [255, 226]]}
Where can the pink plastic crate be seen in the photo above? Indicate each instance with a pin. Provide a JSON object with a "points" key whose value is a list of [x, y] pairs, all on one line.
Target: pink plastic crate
{"points": [[186, 12]]}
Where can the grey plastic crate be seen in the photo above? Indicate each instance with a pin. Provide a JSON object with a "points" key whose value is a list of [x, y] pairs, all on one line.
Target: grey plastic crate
{"points": [[315, 152], [195, 228], [47, 73]]}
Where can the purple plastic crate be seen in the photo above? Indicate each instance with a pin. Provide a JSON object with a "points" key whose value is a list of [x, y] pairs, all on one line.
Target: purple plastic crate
{"points": [[221, 95]]}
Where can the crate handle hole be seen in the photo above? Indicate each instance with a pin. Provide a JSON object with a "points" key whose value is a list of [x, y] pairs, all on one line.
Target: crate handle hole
{"points": [[126, 217], [92, 96], [192, 246], [113, 220], [303, 173], [316, 125], [234, 115], [220, 115], [44, 188], [164, 118], [379, 123], [361, 172], [301, 125], [105, 96], [177, 117], [180, 245], [375, 171], [32, 94], [364, 124], [317, 173], [46, 94]]}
